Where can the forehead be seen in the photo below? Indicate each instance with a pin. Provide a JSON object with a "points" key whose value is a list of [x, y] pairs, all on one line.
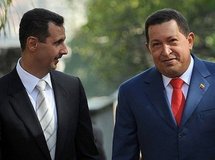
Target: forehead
{"points": [[163, 30], [55, 31]]}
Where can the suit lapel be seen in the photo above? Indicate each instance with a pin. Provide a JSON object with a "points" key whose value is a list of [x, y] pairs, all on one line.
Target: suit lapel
{"points": [[22, 106], [157, 95], [63, 114], [198, 87]]}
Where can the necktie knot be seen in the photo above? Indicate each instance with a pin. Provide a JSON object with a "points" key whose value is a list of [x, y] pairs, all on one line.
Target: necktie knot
{"points": [[41, 85], [177, 83]]}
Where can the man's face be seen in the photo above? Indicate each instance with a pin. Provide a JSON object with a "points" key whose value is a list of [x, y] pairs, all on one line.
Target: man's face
{"points": [[169, 48], [50, 51]]}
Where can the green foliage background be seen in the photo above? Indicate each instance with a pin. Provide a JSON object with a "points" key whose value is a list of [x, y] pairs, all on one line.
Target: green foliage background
{"points": [[110, 48], [4, 5], [111, 45]]}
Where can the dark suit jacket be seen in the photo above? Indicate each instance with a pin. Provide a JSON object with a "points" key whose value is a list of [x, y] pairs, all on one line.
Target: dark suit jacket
{"points": [[144, 120], [21, 136]]}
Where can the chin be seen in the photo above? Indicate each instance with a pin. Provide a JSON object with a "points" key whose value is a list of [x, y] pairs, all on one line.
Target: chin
{"points": [[53, 67], [172, 73]]}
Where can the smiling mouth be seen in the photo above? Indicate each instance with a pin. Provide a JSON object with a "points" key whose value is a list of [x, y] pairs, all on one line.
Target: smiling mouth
{"points": [[57, 58], [169, 61]]}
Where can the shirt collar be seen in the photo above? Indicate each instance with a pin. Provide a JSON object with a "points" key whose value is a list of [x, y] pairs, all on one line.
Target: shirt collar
{"points": [[186, 76], [30, 81]]}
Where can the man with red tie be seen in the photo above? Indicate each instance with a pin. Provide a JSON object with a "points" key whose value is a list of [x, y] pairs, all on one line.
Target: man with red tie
{"points": [[168, 111]]}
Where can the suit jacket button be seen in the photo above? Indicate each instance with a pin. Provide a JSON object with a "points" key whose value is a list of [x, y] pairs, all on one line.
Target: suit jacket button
{"points": [[180, 135]]}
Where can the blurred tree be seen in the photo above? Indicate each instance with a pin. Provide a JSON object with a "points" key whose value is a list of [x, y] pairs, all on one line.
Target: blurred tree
{"points": [[112, 42], [9, 56], [4, 5], [8, 59]]}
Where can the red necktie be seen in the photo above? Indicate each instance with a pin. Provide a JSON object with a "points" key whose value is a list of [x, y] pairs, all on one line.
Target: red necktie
{"points": [[177, 99]]}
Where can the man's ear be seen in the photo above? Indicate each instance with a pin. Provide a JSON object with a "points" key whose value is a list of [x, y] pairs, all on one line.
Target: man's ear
{"points": [[32, 43], [147, 47], [190, 38]]}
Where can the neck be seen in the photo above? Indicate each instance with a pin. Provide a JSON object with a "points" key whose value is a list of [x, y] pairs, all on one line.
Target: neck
{"points": [[29, 67]]}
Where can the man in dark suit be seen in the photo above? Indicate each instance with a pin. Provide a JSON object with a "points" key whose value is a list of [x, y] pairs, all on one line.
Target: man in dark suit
{"points": [[147, 119], [22, 135]]}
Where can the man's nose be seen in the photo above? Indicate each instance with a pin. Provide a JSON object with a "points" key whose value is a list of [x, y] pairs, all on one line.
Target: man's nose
{"points": [[166, 49], [64, 49]]}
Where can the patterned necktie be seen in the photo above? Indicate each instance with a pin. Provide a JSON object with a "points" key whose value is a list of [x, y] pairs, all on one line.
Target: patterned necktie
{"points": [[178, 99], [46, 118]]}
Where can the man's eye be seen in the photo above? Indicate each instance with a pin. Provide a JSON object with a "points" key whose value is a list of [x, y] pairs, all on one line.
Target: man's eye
{"points": [[156, 44], [173, 41], [58, 42]]}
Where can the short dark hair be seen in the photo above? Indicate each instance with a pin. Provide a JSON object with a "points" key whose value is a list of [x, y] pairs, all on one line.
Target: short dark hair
{"points": [[165, 15], [35, 23]]}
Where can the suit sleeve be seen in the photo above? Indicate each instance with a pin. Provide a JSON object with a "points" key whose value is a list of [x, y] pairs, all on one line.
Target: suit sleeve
{"points": [[2, 95], [0, 140], [125, 141], [85, 140]]}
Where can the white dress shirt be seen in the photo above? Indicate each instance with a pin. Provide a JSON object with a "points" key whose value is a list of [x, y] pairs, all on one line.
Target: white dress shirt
{"points": [[30, 81]]}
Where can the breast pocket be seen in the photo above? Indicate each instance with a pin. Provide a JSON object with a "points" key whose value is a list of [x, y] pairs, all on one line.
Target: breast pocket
{"points": [[207, 113], [207, 120], [205, 129]]}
